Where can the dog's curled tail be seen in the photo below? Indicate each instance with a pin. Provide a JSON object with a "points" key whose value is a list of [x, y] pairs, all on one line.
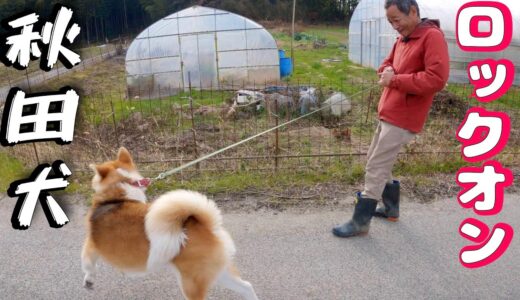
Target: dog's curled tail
{"points": [[165, 219]]}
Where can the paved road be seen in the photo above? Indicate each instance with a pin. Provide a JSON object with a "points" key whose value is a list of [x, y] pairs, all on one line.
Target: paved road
{"points": [[287, 255]]}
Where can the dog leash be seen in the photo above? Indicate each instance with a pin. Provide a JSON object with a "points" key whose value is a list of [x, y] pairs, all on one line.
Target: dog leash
{"points": [[205, 157]]}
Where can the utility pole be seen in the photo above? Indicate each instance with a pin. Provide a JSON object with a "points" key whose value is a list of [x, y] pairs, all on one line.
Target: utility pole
{"points": [[292, 37], [126, 17]]}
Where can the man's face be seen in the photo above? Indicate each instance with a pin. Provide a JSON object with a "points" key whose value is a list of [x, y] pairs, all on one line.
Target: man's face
{"points": [[404, 24]]}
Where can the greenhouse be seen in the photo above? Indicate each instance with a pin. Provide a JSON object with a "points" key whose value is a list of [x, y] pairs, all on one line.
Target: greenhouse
{"points": [[371, 37], [201, 48]]}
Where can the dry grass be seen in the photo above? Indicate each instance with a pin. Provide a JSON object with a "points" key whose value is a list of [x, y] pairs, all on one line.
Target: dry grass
{"points": [[163, 133], [9, 76]]}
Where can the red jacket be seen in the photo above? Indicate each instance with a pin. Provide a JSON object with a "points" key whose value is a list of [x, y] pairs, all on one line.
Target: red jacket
{"points": [[421, 65]]}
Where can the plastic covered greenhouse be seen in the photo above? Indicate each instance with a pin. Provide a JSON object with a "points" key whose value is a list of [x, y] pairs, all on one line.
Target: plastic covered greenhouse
{"points": [[371, 37], [201, 47]]}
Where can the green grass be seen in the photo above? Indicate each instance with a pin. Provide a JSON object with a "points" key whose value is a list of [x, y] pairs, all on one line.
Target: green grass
{"points": [[311, 65], [422, 166], [100, 110], [105, 79], [314, 65], [105, 83], [336, 34], [209, 182], [95, 50], [10, 75], [11, 170], [510, 100]]}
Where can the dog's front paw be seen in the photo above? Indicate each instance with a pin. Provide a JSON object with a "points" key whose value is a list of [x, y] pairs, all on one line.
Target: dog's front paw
{"points": [[88, 284]]}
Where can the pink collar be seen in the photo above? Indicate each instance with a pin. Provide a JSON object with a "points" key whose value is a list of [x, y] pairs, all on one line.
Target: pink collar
{"points": [[145, 182]]}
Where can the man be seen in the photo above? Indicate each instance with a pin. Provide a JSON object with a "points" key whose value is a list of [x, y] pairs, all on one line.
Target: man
{"points": [[417, 68]]}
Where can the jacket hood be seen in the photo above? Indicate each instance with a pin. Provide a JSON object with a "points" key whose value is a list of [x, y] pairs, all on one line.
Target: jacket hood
{"points": [[425, 25]]}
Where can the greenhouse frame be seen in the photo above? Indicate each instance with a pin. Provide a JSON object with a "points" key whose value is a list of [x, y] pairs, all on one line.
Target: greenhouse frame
{"points": [[371, 37], [200, 48]]}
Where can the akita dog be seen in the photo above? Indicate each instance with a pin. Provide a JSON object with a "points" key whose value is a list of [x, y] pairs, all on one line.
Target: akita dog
{"points": [[181, 229]]}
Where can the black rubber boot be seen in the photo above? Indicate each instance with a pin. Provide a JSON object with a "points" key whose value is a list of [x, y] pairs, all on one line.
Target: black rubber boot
{"points": [[360, 222], [390, 208]]}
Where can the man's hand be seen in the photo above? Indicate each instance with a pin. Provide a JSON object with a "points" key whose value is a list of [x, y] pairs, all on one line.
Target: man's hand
{"points": [[386, 76]]}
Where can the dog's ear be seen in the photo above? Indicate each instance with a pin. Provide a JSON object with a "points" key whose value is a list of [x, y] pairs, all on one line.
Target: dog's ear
{"points": [[101, 170], [124, 156]]}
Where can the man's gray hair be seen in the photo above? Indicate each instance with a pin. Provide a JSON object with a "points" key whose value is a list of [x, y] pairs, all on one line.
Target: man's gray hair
{"points": [[403, 5]]}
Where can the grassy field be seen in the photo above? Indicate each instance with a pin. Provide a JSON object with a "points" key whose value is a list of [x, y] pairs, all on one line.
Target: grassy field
{"points": [[327, 65], [10, 75], [12, 169], [509, 101], [327, 62], [162, 129]]}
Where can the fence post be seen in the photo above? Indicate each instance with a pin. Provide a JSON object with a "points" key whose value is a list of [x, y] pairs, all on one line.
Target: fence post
{"points": [[28, 81], [193, 131], [277, 136], [370, 96], [36, 153], [9, 77], [114, 121]]}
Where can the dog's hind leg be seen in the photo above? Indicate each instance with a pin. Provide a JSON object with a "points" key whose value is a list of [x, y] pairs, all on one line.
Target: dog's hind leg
{"points": [[230, 279], [194, 287], [88, 263]]}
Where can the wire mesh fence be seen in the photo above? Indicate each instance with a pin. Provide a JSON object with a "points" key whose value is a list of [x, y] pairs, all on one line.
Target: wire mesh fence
{"points": [[166, 132]]}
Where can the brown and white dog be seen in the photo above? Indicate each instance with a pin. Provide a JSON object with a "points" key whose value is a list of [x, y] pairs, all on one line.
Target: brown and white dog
{"points": [[181, 229]]}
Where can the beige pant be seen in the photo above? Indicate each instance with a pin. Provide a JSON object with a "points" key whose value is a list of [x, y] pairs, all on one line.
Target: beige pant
{"points": [[382, 154]]}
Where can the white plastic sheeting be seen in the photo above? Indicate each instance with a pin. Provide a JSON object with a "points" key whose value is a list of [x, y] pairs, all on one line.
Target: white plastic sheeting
{"points": [[371, 37], [203, 48]]}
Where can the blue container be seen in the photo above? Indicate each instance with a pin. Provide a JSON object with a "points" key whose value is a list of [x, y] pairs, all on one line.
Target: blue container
{"points": [[281, 53], [285, 66]]}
